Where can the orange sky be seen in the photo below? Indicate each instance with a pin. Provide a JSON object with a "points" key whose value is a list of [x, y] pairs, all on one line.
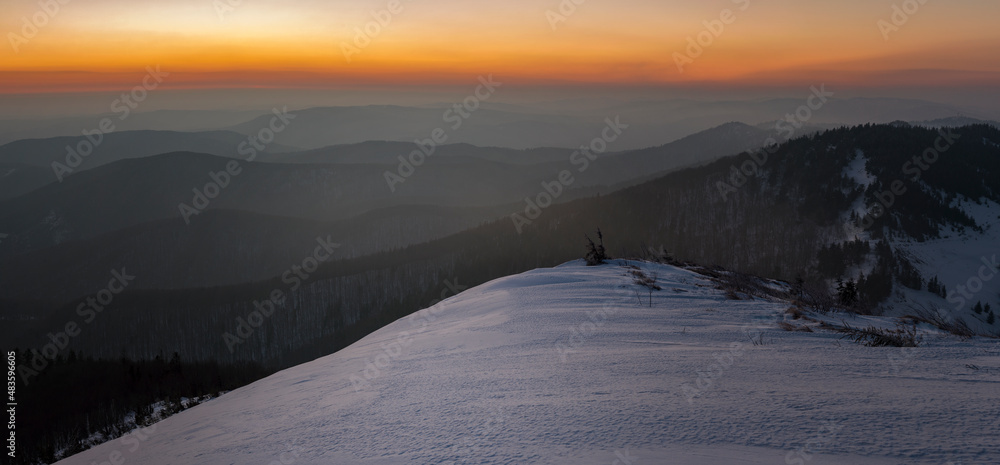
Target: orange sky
{"points": [[106, 44]]}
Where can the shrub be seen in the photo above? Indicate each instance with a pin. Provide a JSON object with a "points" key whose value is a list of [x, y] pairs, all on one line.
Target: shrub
{"points": [[795, 312], [924, 314], [790, 327], [595, 252], [880, 337], [647, 281]]}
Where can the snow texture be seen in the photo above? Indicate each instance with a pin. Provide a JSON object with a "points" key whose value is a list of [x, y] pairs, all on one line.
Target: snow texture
{"points": [[571, 365]]}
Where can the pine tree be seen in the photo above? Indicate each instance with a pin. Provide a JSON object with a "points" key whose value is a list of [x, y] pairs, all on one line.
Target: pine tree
{"points": [[847, 292], [595, 252], [935, 287], [978, 308]]}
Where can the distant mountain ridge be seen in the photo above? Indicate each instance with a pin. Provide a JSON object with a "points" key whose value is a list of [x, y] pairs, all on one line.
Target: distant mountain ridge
{"points": [[328, 185], [68, 155], [954, 122], [222, 248], [159, 120], [801, 215], [18, 179]]}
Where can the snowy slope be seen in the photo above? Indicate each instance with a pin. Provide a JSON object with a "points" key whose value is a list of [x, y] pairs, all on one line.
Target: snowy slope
{"points": [[564, 365], [963, 261]]}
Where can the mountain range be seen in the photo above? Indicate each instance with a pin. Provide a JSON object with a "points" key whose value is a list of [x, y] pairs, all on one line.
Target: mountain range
{"points": [[816, 191], [262, 264]]}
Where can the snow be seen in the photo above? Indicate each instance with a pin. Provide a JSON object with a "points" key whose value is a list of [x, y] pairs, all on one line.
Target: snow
{"points": [[958, 259], [857, 171], [572, 365], [131, 424]]}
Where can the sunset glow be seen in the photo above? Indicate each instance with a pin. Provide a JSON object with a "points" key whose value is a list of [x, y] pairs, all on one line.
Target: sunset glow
{"points": [[104, 44]]}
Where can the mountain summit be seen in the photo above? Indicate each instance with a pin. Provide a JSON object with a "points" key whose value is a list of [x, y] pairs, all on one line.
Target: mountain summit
{"points": [[584, 365]]}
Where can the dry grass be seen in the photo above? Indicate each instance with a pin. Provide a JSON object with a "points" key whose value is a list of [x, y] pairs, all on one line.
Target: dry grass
{"points": [[740, 286], [879, 337], [644, 280], [795, 312], [926, 314], [790, 327]]}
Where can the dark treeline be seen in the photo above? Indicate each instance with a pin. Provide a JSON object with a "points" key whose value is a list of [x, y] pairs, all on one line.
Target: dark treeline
{"points": [[219, 248], [75, 398]]}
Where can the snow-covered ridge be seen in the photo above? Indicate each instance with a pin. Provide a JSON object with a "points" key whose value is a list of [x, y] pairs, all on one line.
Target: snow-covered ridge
{"points": [[580, 365]]}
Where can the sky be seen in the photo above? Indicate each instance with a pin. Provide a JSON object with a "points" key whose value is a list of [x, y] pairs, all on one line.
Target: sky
{"points": [[101, 45]]}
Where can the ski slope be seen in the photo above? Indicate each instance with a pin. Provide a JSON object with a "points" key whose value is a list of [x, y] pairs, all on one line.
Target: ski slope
{"points": [[574, 365]]}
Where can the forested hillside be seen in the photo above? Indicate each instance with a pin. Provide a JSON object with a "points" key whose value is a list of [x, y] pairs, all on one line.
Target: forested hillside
{"points": [[780, 223]]}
